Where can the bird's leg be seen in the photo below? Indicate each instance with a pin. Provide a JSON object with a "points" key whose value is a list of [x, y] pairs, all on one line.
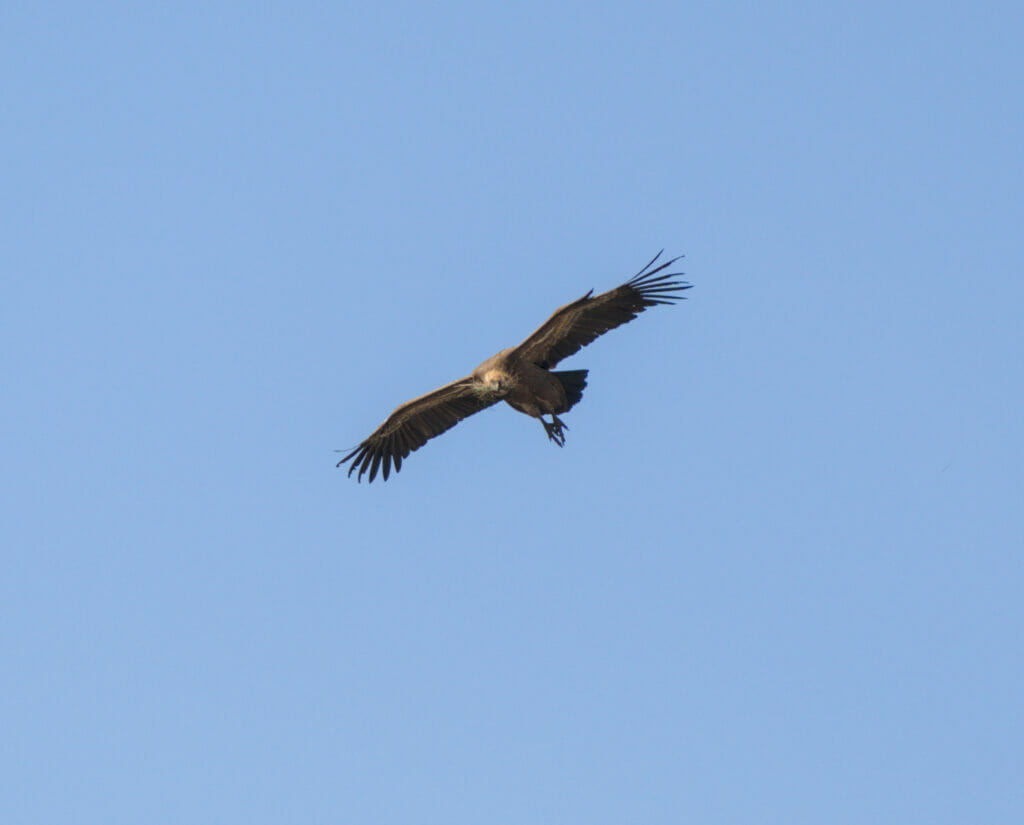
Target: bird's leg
{"points": [[560, 424], [555, 429], [554, 433]]}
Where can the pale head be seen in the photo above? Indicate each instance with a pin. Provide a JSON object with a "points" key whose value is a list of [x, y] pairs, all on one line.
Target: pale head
{"points": [[497, 381]]}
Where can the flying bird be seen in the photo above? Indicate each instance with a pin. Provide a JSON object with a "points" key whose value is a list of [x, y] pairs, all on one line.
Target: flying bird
{"points": [[521, 376]]}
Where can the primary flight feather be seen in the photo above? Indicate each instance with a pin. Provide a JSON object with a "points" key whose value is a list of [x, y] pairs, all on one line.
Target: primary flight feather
{"points": [[521, 376]]}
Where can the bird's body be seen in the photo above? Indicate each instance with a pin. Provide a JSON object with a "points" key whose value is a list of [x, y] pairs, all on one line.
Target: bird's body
{"points": [[524, 386], [535, 391], [531, 389], [521, 375]]}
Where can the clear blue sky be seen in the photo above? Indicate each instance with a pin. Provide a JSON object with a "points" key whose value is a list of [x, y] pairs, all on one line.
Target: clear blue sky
{"points": [[774, 576]]}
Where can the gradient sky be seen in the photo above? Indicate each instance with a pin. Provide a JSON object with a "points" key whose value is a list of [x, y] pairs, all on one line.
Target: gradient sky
{"points": [[776, 573]]}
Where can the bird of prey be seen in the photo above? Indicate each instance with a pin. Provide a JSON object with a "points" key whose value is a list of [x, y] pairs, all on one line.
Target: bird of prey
{"points": [[521, 376]]}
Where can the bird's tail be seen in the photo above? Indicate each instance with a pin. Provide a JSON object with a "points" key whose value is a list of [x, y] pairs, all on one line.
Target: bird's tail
{"points": [[573, 382]]}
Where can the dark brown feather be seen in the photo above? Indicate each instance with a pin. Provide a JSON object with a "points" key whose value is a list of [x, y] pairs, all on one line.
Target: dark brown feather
{"points": [[575, 325], [414, 423]]}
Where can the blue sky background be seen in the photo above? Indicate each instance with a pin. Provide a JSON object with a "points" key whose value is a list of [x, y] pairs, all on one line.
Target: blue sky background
{"points": [[774, 576]]}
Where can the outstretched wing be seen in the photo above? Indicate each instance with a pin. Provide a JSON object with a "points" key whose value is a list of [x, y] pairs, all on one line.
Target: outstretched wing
{"points": [[414, 423], [575, 325]]}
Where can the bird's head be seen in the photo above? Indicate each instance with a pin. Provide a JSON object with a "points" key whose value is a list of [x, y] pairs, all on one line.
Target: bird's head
{"points": [[497, 381]]}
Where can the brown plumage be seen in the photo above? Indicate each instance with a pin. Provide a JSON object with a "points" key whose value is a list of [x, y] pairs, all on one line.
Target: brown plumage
{"points": [[520, 376]]}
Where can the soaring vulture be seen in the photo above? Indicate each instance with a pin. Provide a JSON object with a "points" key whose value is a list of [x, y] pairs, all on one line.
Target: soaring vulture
{"points": [[521, 376]]}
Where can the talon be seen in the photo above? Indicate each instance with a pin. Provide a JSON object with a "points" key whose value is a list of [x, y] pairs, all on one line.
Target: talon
{"points": [[555, 430]]}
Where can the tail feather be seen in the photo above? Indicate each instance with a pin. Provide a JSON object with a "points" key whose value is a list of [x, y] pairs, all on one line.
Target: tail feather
{"points": [[573, 382]]}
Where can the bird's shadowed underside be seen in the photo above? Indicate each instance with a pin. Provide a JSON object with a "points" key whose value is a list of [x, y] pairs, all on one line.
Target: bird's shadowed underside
{"points": [[521, 376]]}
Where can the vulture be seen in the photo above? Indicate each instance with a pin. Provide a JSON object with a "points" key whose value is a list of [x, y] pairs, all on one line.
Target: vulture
{"points": [[521, 376]]}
